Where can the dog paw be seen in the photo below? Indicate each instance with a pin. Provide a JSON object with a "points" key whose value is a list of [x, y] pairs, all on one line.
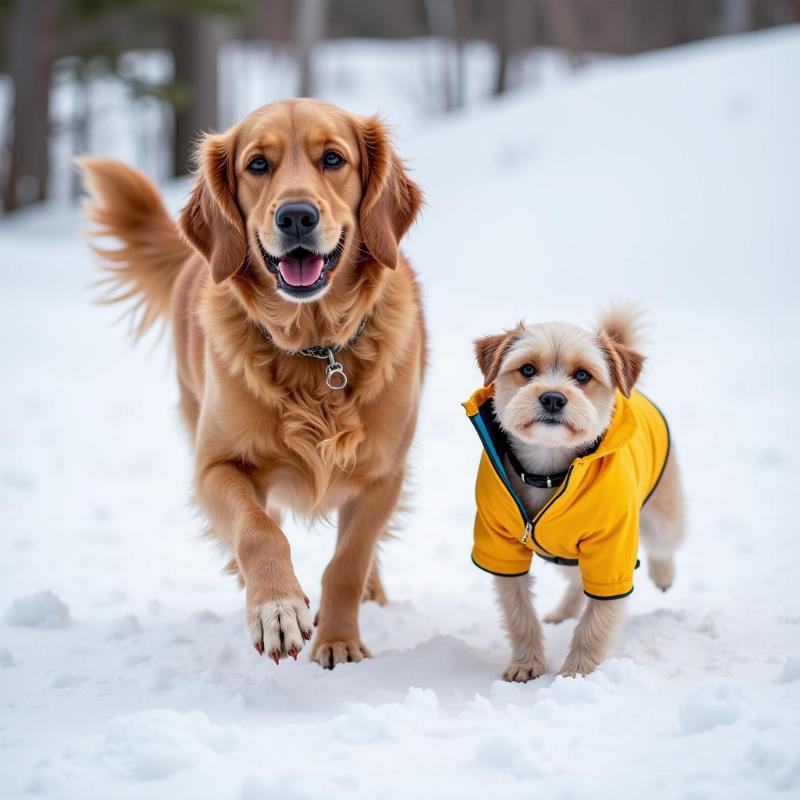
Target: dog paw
{"points": [[279, 628], [661, 571], [576, 665], [559, 615], [330, 653], [524, 672]]}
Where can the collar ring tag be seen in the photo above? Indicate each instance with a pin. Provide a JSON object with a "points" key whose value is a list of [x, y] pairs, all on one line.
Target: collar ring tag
{"points": [[335, 376]]}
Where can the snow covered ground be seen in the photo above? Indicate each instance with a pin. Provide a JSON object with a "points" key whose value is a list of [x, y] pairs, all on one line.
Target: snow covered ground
{"points": [[125, 671]]}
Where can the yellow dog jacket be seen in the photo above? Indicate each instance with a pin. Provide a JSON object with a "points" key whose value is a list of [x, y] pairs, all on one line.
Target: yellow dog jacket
{"points": [[592, 519]]}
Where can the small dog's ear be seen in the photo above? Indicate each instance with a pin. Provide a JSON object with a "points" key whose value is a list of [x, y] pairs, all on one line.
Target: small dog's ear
{"points": [[211, 220], [489, 352], [391, 200], [625, 362]]}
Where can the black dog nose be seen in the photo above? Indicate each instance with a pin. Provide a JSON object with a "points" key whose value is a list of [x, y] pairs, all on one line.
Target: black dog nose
{"points": [[553, 401], [297, 218]]}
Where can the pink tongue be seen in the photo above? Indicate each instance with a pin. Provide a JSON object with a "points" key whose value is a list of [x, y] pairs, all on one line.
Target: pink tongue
{"points": [[301, 272]]}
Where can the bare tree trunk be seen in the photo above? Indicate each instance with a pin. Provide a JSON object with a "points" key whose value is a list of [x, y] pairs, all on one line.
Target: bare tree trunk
{"points": [[80, 124], [310, 27], [463, 27], [195, 44], [443, 23], [31, 61], [735, 16], [502, 38]]}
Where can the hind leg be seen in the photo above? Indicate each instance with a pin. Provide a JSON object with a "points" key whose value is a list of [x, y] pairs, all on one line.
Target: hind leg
{"points": [[573, 599], [662, 525], [374, 590]]}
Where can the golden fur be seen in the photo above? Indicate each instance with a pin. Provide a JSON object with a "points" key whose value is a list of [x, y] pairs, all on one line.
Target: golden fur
{"points": [[267, 431], [558, 350]]}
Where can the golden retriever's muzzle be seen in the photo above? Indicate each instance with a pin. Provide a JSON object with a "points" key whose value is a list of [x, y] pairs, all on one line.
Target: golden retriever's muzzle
{"points": [[302, 265]]}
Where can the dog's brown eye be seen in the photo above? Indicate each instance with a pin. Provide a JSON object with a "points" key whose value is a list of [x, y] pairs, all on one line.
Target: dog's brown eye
{"points": [[258, 165], [332, 160], [582, 376], [527, 370]]}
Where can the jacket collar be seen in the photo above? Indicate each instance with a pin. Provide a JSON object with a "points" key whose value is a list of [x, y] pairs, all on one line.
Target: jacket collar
{"points": [[618, 434]]}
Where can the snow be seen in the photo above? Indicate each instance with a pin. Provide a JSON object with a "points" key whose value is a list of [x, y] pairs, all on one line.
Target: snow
{"points": [[40, 610], [126, 670]]}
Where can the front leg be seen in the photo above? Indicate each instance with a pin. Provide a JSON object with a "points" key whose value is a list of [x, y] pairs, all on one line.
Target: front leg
{"points": [[592, 636], [362, 521], [522, 626], [277, 615]]}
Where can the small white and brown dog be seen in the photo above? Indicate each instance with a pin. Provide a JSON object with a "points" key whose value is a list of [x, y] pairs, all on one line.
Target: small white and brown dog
{"points": [[576, 468]]}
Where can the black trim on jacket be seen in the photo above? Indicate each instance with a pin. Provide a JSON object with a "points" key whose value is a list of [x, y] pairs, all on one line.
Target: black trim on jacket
{"points": [[612, 597], [500, 574]]}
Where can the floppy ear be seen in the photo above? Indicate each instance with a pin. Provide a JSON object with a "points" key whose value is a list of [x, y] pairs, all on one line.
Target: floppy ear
{"points": [[490, 350], [211, 220], [625, 362], [391, 200]]}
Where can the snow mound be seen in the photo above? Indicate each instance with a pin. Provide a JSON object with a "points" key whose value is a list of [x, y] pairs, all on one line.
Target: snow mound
{"points": [[362, 723], [790, 671], [506, 754], [255, 788], [713, 704], [65, 679], [40, 610], [123, 628], [151, 745]]}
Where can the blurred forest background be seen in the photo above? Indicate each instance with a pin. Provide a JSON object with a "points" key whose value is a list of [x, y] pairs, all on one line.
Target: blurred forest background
{"points": [[82, 75]]}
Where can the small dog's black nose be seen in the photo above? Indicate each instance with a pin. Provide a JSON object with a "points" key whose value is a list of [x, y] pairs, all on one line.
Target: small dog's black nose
{"points": [[552, 401], [297, 218]]}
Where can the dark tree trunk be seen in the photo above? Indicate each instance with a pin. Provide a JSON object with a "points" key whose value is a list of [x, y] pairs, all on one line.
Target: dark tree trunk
{"points": [[447, 23], [310, 27], [195, 44], [502, 40], [31, 62]]}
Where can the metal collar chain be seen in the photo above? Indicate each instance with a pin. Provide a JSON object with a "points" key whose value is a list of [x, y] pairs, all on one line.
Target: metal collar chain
{"points": [[335, 376]]}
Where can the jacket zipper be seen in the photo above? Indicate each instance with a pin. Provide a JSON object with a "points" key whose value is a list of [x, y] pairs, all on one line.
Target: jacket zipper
{"points": [[528, 530], [530, 525]]}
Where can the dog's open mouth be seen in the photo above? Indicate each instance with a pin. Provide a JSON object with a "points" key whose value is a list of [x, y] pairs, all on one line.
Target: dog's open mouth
{"points": [[302, 272]]}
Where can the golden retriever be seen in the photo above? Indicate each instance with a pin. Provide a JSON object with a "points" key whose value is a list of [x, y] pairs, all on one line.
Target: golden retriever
{"points": [[287, 249]]}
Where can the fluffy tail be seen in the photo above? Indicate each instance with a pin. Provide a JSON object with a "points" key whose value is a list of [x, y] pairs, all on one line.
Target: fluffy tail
{"points": [[623, 323], [125, 205]]}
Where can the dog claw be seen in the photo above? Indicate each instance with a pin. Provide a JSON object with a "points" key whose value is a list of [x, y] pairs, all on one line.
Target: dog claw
{"points": [[275, 656], [259, 646], [293, 652], [307, 635]]}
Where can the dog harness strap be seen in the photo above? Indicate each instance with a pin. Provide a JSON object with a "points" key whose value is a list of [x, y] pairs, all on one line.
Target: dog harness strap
{"points": [[335, 376]]}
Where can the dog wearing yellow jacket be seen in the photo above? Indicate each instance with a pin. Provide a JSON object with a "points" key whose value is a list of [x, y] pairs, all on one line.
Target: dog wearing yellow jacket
{"points": [[576, 466]]}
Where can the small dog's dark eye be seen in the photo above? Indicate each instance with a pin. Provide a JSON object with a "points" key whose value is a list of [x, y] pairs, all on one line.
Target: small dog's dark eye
{"points": [[528, 370], [582, 376], [258, 165], [332, 160]]}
